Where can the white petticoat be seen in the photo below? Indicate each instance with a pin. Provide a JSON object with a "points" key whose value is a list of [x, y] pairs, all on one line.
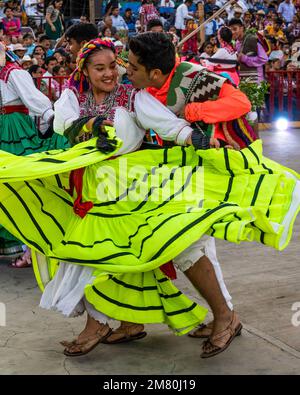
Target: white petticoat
{"points": [[65, 292]]}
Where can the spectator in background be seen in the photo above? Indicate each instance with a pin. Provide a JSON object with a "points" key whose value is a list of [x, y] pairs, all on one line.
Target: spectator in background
{"points": [[26, 62], [155, 26], [274, 30], [276, 52], [107, 21], [206, 51], [129, 20], [211, 27], [287, 10], [11, 25], [45, 42], [2, 7], [19, 50], [36, 73], [181, 13], [247, 19], [106, 34], [147, 13], [259, 20], [28, 42], [190, 46], [50, 63], [79, 34], [70, 64], [167, 3], [117, 20], [84, 19], [293, 30], [54, 26], [251, 54]]}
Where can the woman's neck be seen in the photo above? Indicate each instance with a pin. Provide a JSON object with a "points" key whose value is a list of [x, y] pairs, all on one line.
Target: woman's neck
{"points": [[99, 95]]}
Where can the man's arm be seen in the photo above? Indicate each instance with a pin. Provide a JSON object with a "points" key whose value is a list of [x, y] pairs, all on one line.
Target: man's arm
{"points": [[231, 104]]}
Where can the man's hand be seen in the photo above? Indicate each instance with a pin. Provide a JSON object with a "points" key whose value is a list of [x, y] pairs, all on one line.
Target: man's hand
{"points": [[214, 143]]}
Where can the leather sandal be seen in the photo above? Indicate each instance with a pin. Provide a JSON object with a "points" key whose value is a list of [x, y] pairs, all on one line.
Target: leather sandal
{"points": [[127, 334], [77, 348], [221, 341], [203, 331]]}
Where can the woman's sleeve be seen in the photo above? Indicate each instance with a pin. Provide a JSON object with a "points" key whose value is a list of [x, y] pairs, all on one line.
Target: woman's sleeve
{"points": [[151, 114], [66, 111], [231, 104], [37, 103]]}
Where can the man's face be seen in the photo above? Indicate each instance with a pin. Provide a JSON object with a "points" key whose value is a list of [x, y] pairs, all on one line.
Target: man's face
{"points": [[83, 19], [137, 73], [46, 44], [28, 41], [237, 31], [157, 29], [116, 12], [128, 14], [73, 46]]}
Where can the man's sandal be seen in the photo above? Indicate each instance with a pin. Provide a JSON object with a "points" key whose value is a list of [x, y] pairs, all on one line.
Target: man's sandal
{"points": [[127, 334], [77, 348], [202, 332], [221, 341]]}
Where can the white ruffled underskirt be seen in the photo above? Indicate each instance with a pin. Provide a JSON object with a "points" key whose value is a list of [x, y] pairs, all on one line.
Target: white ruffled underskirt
{"points": [[65, 292]]}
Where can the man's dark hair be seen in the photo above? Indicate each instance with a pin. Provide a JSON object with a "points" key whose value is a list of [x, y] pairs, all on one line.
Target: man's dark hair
{"points": [[189, 1], [154, 51], [153, 23], [28, 35], [82, 32], [56, 69], [33, 69], [49, 59], [128, 9], [235, 21], [44, 37], [226, 34]]}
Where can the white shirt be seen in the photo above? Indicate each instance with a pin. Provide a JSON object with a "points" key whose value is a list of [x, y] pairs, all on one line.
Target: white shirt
{"points": [[167, 3], [119, 23], [148, 113], [20, 89], [31, 8], [181, 13], [287, 11]]}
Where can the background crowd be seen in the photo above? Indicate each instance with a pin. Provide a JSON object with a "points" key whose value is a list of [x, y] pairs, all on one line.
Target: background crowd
{"points": [[36, 34]]}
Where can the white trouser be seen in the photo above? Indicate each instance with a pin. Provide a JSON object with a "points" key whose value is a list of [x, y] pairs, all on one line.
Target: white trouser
{"points": [[204, 246]]}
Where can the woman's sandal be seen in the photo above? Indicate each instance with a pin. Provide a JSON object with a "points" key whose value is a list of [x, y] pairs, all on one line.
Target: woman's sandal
{"points": [[85, 346], [219, 342], [22, 261], [127, 333]]}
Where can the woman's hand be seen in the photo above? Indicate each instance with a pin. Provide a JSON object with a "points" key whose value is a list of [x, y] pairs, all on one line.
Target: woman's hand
{"points": [[53, 28]]}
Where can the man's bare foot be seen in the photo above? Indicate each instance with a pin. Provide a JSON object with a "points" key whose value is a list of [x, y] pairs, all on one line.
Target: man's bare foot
{"points": [[223, 333]]}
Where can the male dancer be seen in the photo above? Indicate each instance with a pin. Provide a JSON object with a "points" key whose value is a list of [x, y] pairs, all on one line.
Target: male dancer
{"points": [[153, 65]]}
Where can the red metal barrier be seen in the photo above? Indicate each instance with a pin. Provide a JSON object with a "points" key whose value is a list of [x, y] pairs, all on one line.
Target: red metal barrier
{"points": [[284, 94], [53, 84]]}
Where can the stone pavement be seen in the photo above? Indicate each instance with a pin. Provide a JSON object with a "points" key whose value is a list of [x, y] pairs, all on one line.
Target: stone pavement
{"points": [[264, 285]]}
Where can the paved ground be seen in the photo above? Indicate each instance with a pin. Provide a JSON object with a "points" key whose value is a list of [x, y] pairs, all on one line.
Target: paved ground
{"points": [[264, 286]]}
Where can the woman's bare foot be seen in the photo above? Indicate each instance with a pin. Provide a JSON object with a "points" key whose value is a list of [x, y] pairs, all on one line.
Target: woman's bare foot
{"points": [[23, 261], [93, 334], [126, 332]]}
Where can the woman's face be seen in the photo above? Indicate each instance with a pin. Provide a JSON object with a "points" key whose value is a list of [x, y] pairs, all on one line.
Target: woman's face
{"points": [[39, 51], [107, 33], [38, 73], [101, 69], [58, 57], [58, 4], [40, 60]]}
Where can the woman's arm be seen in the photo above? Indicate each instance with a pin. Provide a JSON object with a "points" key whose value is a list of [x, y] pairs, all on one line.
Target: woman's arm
{"points": [[66, 111]]}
